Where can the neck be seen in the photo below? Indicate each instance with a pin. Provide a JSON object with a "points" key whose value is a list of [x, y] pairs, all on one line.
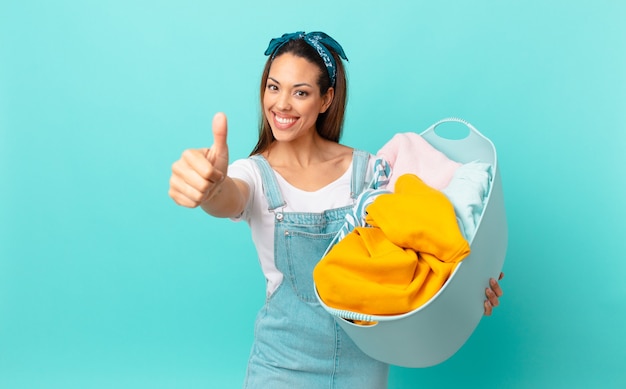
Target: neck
{"points": [[301, 152]]}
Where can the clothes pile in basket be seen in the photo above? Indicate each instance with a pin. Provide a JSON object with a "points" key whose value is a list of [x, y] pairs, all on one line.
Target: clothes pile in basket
{"points": [[407, 233]]}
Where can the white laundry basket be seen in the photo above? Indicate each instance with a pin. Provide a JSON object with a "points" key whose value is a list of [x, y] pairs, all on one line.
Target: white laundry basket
{"points": [[435, 331]]}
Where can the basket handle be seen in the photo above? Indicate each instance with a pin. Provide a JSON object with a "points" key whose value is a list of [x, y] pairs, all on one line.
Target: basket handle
{"points": [[454, 120], [472, 129]]}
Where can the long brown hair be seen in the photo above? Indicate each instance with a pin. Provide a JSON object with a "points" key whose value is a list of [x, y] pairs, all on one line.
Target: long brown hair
{"points": [[329, 124]]}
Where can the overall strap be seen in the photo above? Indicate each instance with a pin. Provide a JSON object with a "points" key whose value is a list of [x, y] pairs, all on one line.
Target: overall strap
{"points": [[360, 162], [270, 185]]}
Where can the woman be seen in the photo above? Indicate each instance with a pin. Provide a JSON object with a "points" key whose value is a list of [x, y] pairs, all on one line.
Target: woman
{"points": [[294, 192]]}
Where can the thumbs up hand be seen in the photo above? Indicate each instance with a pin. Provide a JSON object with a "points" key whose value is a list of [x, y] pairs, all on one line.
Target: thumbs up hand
{"points": [[197, 175]]}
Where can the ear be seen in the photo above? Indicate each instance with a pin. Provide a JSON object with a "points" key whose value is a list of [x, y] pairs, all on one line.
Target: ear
{"points": [[327, 99]]}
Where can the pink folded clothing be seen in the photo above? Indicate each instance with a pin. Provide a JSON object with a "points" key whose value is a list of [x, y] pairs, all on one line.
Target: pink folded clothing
{"points": [[409, 153]]}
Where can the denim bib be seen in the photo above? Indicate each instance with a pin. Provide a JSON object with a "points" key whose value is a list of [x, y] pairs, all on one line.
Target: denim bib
{"points": [[297, 343]]}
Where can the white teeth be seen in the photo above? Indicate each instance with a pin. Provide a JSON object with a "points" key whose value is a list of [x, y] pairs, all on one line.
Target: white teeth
{"points": [[285, 120]]}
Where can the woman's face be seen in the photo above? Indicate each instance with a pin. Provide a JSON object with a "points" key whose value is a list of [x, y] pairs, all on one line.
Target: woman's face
{"points": [[292, 99]]}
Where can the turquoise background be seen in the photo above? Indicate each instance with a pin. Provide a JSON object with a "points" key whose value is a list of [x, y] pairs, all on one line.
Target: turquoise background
{"points": [[106, 283]]}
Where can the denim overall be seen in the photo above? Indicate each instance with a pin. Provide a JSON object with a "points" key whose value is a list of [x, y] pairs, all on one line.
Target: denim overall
{"points": [[298, 345]]}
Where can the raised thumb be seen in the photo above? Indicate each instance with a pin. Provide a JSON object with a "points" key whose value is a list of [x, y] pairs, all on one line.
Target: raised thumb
{"points": [[220, 131]]}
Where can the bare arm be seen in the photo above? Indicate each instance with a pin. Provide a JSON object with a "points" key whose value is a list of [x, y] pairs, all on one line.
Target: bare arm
{"points": [[228, 199]]}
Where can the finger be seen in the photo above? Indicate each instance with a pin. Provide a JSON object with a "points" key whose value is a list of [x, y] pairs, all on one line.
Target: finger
{"points": [[495, 286], [193, 176], [194, 186], [218, 153], [501, 276], [195, 159], [492, 297], [488, 308], [198, 163], [181, 199], [183, 193], [220, 131]]}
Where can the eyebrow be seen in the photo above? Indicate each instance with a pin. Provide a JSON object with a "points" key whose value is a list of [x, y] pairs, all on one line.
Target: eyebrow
{"points": [[295, 85]]}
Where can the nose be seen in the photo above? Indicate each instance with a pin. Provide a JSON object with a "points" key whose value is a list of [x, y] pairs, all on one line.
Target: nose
{"points": [[283, 101]]}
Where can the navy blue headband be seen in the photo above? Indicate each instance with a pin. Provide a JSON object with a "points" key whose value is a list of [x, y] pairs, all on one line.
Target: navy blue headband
{"points": [[319, 41]]}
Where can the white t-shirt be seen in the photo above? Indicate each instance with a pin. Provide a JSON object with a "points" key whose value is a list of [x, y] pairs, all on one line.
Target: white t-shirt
{"points": [[261, 220]]}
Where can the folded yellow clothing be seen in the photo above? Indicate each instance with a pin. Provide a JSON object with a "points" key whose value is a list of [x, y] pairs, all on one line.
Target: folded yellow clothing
{"points": [[401, 261]]}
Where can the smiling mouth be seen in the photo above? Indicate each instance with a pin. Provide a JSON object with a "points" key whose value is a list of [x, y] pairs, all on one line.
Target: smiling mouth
{"points": [[282, 122]]}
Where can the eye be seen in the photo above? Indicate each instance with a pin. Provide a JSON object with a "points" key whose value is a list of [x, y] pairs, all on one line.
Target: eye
{"points": [[301, 93], [272, 87]]}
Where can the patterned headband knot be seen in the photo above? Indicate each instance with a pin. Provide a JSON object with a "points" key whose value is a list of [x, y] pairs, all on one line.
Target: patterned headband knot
{"points": [[319, 41]]}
